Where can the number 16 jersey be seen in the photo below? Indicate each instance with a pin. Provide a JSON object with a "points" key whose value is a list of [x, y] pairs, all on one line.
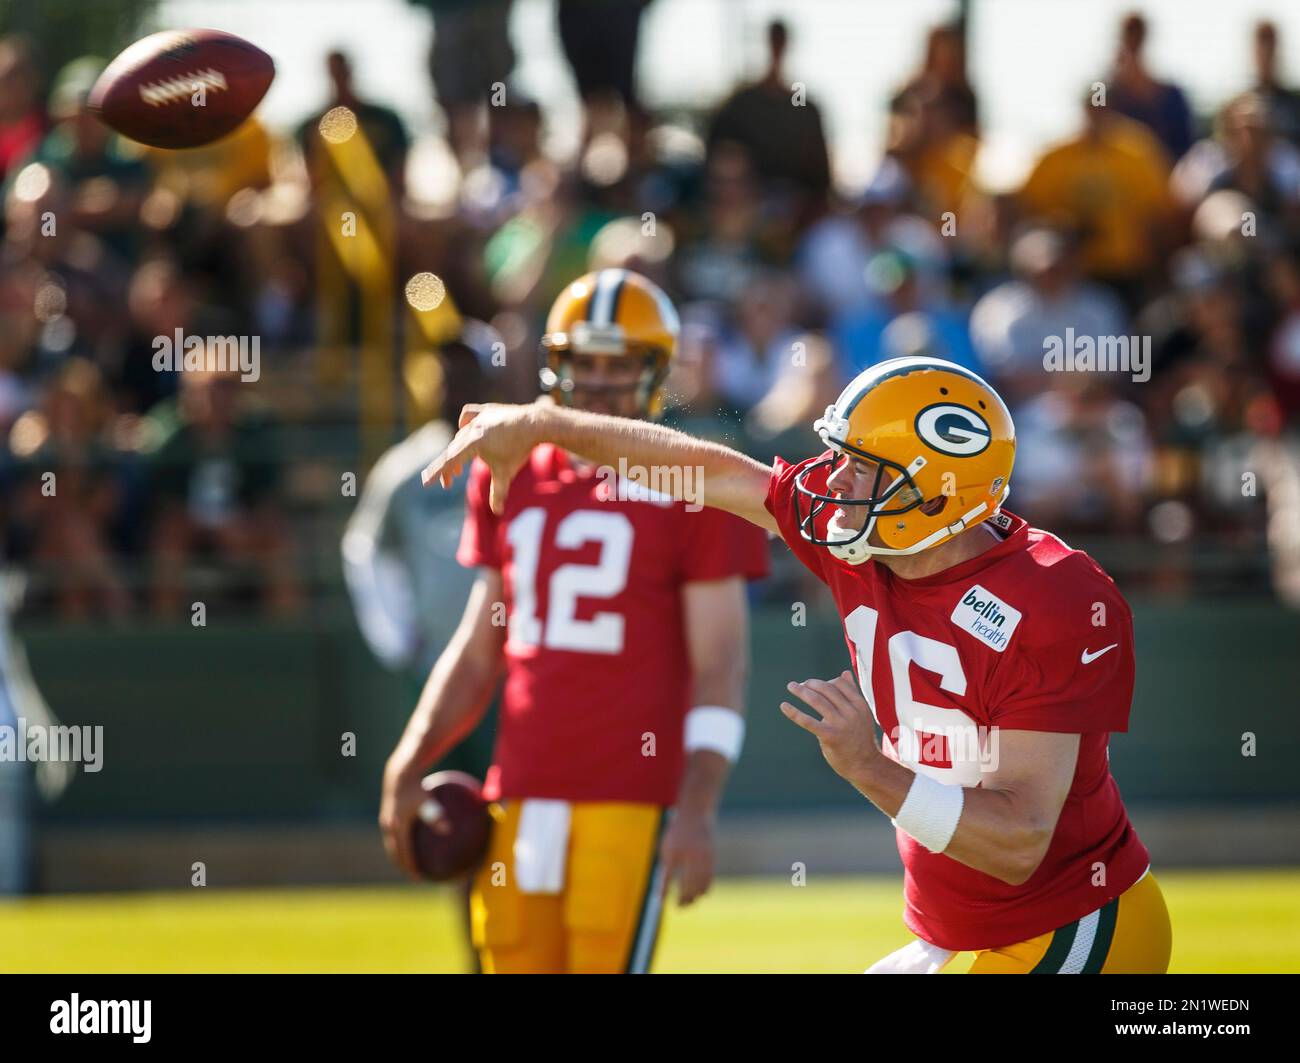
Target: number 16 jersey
{"points": [[1029, 635]]}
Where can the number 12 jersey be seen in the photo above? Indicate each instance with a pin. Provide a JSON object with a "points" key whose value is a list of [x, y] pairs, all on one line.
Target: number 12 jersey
{"points": [[598, 676]]}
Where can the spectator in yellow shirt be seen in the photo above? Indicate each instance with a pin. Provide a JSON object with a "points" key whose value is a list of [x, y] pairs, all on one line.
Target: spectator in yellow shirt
{"points": [[1110, 185]]}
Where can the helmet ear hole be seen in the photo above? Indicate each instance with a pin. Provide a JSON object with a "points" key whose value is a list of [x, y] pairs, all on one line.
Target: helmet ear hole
{"points": [[934, 506]]}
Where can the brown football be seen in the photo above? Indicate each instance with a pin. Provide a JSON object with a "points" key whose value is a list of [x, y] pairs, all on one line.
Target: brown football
{"points": [[182, 88], [451, 836]]}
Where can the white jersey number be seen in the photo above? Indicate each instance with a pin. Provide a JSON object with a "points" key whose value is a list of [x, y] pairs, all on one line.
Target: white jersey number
{"points": [[562, 629], [918, 722]]}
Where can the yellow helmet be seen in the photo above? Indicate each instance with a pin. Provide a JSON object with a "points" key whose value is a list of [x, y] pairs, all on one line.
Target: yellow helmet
{"points": [[943, 445], [611, 311]]}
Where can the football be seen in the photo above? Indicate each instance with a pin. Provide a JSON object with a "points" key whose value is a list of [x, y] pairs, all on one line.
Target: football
{"points": [[182, 88], [451, 835]]}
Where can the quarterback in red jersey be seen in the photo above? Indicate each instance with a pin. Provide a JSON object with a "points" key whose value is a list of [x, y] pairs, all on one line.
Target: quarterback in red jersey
{"points": [[617, 613], [994, 659]]}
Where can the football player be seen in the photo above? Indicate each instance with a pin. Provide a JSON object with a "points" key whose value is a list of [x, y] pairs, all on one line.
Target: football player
{"points": [[994, 659], [619, 619]]}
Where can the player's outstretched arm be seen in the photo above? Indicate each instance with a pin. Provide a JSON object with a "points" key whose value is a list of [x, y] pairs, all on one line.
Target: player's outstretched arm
{"points": [[645, 453]]}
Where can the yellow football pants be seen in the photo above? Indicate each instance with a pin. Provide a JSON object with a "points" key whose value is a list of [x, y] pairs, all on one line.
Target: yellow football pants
{"points": [[605, 921], [1130, 935]]}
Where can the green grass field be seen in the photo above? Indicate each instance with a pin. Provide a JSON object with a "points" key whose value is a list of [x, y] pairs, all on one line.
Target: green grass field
{"points": [[1224, 921]]}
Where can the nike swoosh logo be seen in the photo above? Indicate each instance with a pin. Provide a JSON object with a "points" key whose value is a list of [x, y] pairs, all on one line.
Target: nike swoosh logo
{"points": [[1088, 658]]}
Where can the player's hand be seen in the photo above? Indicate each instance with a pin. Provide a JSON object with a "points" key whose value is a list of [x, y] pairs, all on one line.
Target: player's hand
{"points": [[687, 852], [502, 435], [844, 724], [398, 808]]}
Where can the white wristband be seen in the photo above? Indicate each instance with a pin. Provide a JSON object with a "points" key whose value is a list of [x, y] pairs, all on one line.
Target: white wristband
{"points": [[930, 812], [714, 727]]}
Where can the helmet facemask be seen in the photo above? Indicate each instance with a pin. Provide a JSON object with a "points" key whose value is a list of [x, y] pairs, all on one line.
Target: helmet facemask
{"points": [[893, 492]]}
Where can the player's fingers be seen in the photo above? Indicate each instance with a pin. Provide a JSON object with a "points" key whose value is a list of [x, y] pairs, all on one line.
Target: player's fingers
{"points": [[452, 459], [497, 493], [695, 880], [805, 721], [502, 475], [449, 474], [468, 412], [841, 700], [405, 854], [669, 868], [404, 842], [687, 890], [704, 882], [849, 690], [816, 699], [392, 833], [390, 845], [438, 469]]}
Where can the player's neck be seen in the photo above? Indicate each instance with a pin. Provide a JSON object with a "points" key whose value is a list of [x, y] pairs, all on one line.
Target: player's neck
{"points": [[970, 543]]}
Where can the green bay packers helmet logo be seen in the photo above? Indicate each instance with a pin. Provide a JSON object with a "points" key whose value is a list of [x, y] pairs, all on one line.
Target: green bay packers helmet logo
{"points": [[953, 429]]}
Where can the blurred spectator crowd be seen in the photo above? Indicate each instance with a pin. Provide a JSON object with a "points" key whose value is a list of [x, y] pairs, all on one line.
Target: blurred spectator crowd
{"points": [[122, 484]]}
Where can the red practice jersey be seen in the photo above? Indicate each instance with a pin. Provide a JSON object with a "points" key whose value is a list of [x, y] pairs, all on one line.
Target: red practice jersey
{"points": [[597, 669], [1030, 635]]}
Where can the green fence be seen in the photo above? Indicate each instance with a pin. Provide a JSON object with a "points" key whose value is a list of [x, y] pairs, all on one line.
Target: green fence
{"points": [[248, 722]]}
